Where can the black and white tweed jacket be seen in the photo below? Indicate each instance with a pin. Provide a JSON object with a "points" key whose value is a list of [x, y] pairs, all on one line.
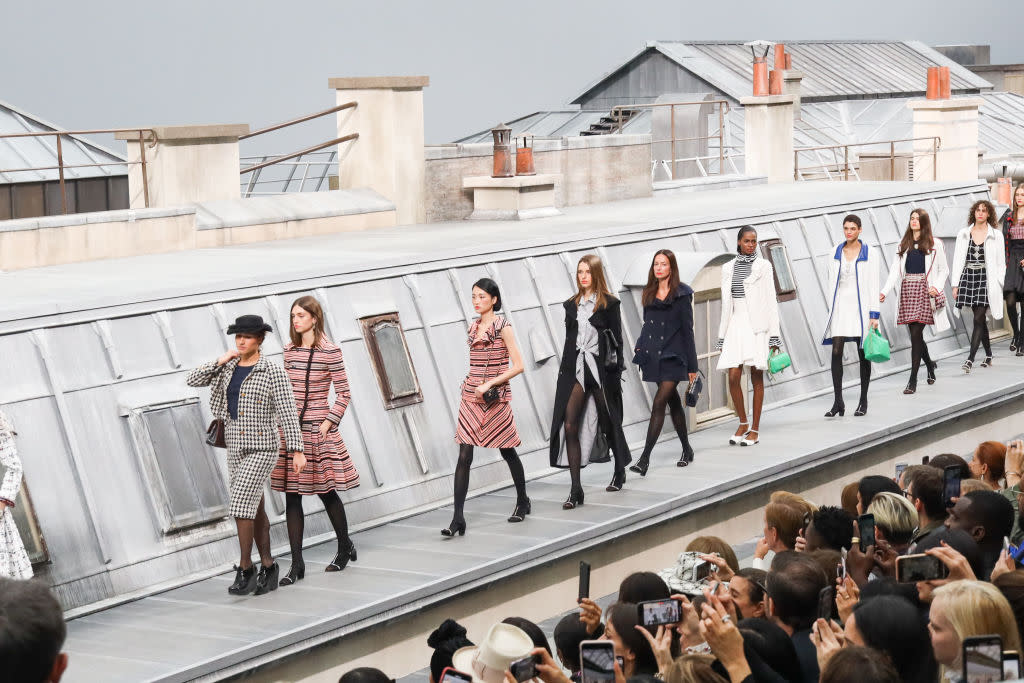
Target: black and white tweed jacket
{"points": [[266, 401]]}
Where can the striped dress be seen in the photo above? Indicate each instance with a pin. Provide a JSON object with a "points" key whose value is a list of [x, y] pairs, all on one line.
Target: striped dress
{"points": [[479, 424], [328, 465]]}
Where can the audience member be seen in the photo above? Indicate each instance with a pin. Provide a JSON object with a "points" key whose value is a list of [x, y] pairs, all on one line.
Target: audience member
{"points": [[635, 650], [989, 463], [892, 625], [748, 592], [828, 560], [366, 674], [449, 637], [769, 651], [713, 545], [960, 541], [692, 669], [782, 525], [895, 519], [988, 518], [793, 585], [830, 527], [531, 629], [968, 485], [868, 487], [1011, 585], [924, 490], [640, 586], [793, 499], [944, 460], [854, 664], [32, 633], [968, 608], [848, 498], [569, 633]]}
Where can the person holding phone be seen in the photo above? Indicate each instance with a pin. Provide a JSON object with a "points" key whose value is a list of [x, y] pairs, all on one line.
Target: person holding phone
{"points": [[589, 380], [853, 274], [635, 650], [1013, 284], [918, 274], [666, 352], [748, 330], [253, 397], [485, 412], [445, 640], [962, 609], [979, 267]]}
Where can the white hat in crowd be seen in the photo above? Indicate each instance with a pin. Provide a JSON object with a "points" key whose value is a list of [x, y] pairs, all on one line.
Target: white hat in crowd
{"points": [[488, 661]]}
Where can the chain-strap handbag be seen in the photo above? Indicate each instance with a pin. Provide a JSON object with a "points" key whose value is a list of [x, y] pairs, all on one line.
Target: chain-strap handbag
{"points": [[694, 389], [215, 434], [490, 396]]}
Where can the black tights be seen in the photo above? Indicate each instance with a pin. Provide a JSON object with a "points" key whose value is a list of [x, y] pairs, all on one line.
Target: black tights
{"points": [[979, 335], [1012, 300], [515, 466], [254, 530], [573, 415], [666, 397], [296, 521], [918, 349], [837, 371]]}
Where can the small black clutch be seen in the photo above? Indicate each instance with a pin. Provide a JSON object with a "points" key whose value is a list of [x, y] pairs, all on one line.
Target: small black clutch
{"points": [[491, 396], [694, 389]]}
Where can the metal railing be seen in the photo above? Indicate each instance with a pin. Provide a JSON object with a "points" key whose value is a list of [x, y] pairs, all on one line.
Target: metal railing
{"points": [[146, 138], [840, 168], [622, 114], [257, 167], [307, 173]]}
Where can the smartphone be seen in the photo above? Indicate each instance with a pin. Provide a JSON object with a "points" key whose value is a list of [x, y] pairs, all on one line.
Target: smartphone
{"points": [[701, 571], [657, 612], [524, 669], [900, 466], [450, 675], [827, 603], [982, 659], [1011, 665], [597, 661], [584, 580], [866, 527], [841, 571], [920, 567], [950, 484]]}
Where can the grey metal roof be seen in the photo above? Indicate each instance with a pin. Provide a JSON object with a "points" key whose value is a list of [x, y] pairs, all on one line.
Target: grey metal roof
{"points": [[33, 152], [832, 69]]}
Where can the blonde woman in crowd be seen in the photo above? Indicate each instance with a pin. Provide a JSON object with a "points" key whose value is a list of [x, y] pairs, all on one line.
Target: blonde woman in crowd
{"points": [[968, 608]]}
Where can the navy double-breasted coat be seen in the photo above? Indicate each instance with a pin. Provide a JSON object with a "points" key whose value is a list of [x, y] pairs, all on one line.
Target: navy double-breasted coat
{"points": [[666, 350]]}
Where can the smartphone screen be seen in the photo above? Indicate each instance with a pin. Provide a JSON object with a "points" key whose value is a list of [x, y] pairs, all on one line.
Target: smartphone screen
{"points": [[524, 669], [450, 675], [597, 660], [983, 659], [826, 602], [921, 567], [584, 580], [656, 612], [900, 466], [950, 484], [866, 527], [1011, 665], [841, 570], [701, 570]]}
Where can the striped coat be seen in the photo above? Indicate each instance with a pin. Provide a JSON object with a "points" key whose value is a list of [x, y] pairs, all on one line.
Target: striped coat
{"points": [[328, 465], [479, 424]]}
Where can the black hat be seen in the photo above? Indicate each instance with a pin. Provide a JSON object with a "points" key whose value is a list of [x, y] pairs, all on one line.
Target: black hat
{"points": [[249, 324]]}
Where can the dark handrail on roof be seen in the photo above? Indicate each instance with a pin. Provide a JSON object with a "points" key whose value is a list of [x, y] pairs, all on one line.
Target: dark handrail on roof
{"points": [[147, 137], [845, 167], [301, 119]]}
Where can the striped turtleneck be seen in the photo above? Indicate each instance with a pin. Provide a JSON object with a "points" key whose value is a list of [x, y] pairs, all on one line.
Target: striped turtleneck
{"points": [[741, 271]]}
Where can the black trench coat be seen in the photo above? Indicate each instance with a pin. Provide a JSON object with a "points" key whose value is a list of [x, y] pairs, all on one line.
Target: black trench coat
{"points": [[610, 422]]}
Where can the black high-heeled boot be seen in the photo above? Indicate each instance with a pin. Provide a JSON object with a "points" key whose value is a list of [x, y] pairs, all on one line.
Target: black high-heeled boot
{"points": [[575, 498], [245, 581], [838, 408], [862, 407], [296, 572], [641, 465], [458, 526], [523, 508], [342, 559], [687, 457], [618, 479], [931, 371]]}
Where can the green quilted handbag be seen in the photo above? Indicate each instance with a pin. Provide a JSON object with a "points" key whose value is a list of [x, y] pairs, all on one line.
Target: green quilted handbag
{"points": [[876, 347], [778, 361]]}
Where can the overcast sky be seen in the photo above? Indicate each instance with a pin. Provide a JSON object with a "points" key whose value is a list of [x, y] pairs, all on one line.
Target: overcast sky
{"points": [[105, 64]]}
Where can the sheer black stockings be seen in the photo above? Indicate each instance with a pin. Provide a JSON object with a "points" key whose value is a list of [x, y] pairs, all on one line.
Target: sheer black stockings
{"points": [[254, 531], [515, 467], [918, 349], [665, 397], [1012, 300], [837, 371], [296, 521], [979, 335]]}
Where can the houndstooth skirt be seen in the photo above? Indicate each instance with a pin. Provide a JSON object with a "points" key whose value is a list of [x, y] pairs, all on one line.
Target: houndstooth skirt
{"points": [[915, 302]]}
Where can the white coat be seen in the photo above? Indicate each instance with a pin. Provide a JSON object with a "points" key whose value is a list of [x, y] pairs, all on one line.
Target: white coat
{"points": [[759, 290], [867, 269], [937, 269], [995, 266]]}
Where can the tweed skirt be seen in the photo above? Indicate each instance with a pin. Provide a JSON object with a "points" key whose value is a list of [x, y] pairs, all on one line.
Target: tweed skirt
{"points": [[487, 426], [973, 288], [248, 472], [915, 302], [328, 465]]}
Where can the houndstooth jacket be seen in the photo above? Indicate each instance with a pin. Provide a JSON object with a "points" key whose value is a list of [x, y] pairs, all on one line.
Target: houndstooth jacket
{"points": [[266, 401]]}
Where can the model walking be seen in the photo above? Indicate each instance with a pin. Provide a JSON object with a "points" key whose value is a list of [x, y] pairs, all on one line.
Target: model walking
{"points": [[253, 397], [485, 416], [979, 267], [918, 273], [588, 395], [14, 562], [854, 274], [1013, 287], [313, 363], [749, 329], [666, 352]]}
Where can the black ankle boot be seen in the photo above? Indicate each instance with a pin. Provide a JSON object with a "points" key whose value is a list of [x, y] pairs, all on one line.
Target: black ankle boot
{"points": [[862, 408], [342, 559], [641, 465], [267, 578], [687, 457], [296, 572], [522, 509], [575, 499], [618, 479], [931, 371], [245, 581], [838, 408]]}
